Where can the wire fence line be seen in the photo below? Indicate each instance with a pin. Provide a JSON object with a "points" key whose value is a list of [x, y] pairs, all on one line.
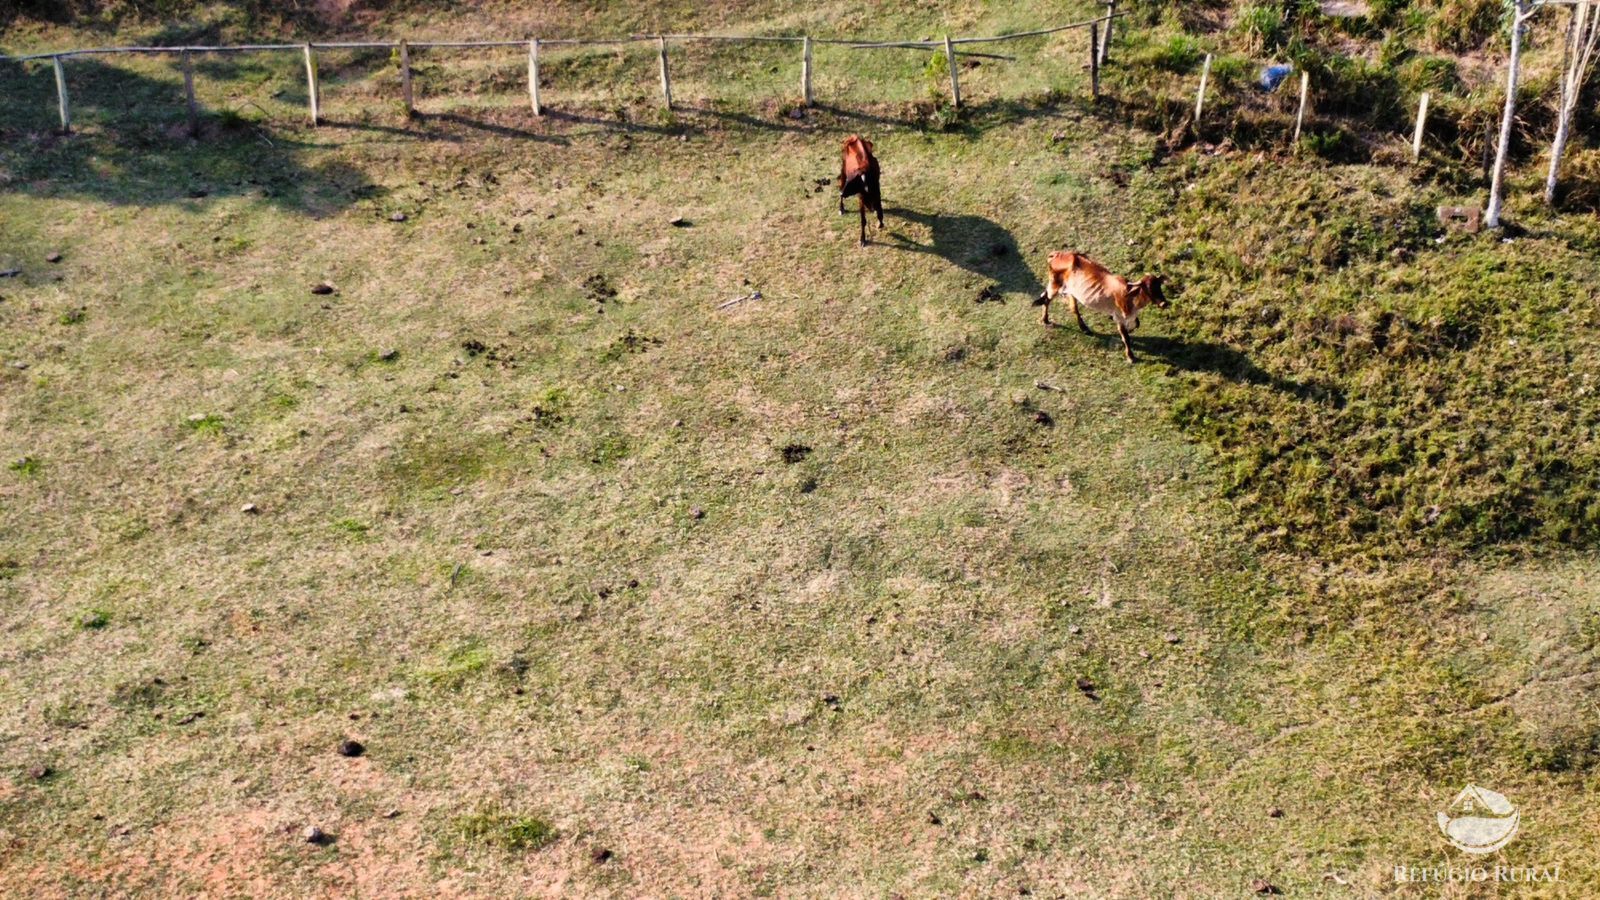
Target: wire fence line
{"points": [[1099, 43]]}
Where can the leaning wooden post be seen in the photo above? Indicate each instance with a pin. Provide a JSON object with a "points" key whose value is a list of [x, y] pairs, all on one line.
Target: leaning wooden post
{"points": [[805, 71], [311, 85], [666, 76], [405, 80], [1520, 11], [1105, 40], [1200, 98], [61, 95], [188, 93], [1305, 93], [1422, 126], [533, 76], [1094, 61], [955, 76]]}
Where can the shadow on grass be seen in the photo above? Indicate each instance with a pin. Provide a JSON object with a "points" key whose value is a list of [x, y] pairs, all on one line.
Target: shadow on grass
{"points": [[1225, 361], [130, 144], [974, 243]]}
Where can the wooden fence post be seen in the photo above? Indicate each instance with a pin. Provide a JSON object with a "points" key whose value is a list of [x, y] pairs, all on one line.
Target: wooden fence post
{"points": [[533, 76], [61, 95], [188, 93], [311, 85], [1200, 98], [1305, 93], [666, 76], [805, 71], [1105, 40], [955, 75], [1093, 61], [405, 79], [1422, 126]]}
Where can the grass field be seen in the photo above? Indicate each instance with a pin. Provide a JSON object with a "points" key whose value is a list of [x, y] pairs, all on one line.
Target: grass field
{"points": [[873, 586]]}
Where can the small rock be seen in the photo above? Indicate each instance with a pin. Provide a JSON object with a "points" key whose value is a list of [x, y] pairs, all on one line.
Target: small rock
{"points": [[1275, 813], [348, 747], [933, 818], [397, 217], [697, 513], [1040, 417], [322, 290], [40, 773], [1171, 637], [314, 835], [1074, 629], [19, 366], [10, 273], [391, 814], [389, 355], [679, 222], [1263, 886], [249, 509], [601, 856], [53, 256]]}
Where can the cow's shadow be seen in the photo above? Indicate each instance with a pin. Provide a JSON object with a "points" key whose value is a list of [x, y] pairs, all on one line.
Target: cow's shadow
{"points": [[1232, 364], [973, 243]]}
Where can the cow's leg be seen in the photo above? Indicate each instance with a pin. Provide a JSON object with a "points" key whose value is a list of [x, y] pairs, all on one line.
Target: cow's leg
{"points": [[863, 210], [1044, 300], [1078, 314], [1127, 348]]}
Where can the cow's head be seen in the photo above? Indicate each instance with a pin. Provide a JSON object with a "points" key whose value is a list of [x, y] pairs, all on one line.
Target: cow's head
{"points": [[1149, 288]]}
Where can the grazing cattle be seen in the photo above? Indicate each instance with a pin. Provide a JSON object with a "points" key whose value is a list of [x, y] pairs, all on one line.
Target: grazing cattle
{"points": [[858, 177], [1087, 282]]}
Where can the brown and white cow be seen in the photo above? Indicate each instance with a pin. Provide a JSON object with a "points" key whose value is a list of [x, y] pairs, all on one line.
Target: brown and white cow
{"points": [[858, 177], [1086, 282]]}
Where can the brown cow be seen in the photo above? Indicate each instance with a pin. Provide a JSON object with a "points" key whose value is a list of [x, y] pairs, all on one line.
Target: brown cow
{"points": [[858, 176], [1087, 282]]}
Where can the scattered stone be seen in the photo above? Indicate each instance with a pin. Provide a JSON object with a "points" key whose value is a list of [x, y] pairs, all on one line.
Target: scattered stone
{"points": [[1171, 637], [397, 217], [1263, 886], [314, 835], [933, 818], [679, 222], [389, 355], [601, 856], [1464, 218], [322, 290], [10, 273], [1074, 629], [53, 256], [391, 814], [697, 513], [249, 509], [351, 748], [1087, 687], [989, 295], [1040, 417], [40, 773], [19, 366], [189, 719], [1275, 813]]}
